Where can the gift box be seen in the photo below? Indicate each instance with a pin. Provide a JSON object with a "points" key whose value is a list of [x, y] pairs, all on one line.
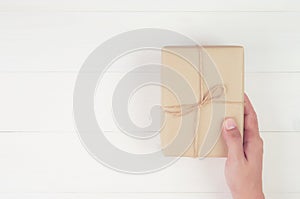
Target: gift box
{"points": [[201, 85]]}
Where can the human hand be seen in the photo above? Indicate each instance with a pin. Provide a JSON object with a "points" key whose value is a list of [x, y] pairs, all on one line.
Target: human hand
{"points": [[243, 169]]}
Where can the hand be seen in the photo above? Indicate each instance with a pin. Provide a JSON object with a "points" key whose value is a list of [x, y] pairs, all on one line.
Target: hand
{"points": [[243, 169]]}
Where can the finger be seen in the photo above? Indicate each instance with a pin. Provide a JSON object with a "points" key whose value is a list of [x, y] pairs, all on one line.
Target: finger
{"points": [[250, 121], [233, 140], [253, 144]]}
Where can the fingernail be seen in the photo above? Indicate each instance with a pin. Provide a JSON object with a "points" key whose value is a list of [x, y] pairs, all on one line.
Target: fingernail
{"points": [[230, 124]]}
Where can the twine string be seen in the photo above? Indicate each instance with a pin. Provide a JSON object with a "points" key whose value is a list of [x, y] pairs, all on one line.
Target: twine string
{"points": [[211, 95]]}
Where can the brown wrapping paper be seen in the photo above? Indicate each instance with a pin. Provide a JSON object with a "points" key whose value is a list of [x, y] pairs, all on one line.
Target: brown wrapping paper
{"points": [[198, 133]]}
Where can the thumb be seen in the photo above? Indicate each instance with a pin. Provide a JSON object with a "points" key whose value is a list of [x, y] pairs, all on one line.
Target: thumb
{"points": [[233, 139]]}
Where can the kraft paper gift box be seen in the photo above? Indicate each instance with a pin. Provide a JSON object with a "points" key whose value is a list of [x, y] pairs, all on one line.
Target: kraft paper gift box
{"points": [[201, 87]]}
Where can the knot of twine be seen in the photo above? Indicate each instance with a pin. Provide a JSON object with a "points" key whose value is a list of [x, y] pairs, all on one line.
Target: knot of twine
{"points": [[211, 95]]}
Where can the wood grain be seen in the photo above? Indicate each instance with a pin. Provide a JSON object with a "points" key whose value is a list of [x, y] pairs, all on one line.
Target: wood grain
{"points": [[43, 41]]}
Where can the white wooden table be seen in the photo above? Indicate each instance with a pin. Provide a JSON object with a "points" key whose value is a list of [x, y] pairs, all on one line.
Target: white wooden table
{"points": [[42, 47]]}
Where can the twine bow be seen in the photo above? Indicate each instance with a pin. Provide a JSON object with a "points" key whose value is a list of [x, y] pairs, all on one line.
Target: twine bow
{"points": [[212, 94]]}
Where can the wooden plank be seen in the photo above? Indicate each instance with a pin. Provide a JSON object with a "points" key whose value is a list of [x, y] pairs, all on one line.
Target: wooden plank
{"points": [[44, 101], [135, 5], [58, 163], [117, 195], [136, 195], [58, 41]]}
